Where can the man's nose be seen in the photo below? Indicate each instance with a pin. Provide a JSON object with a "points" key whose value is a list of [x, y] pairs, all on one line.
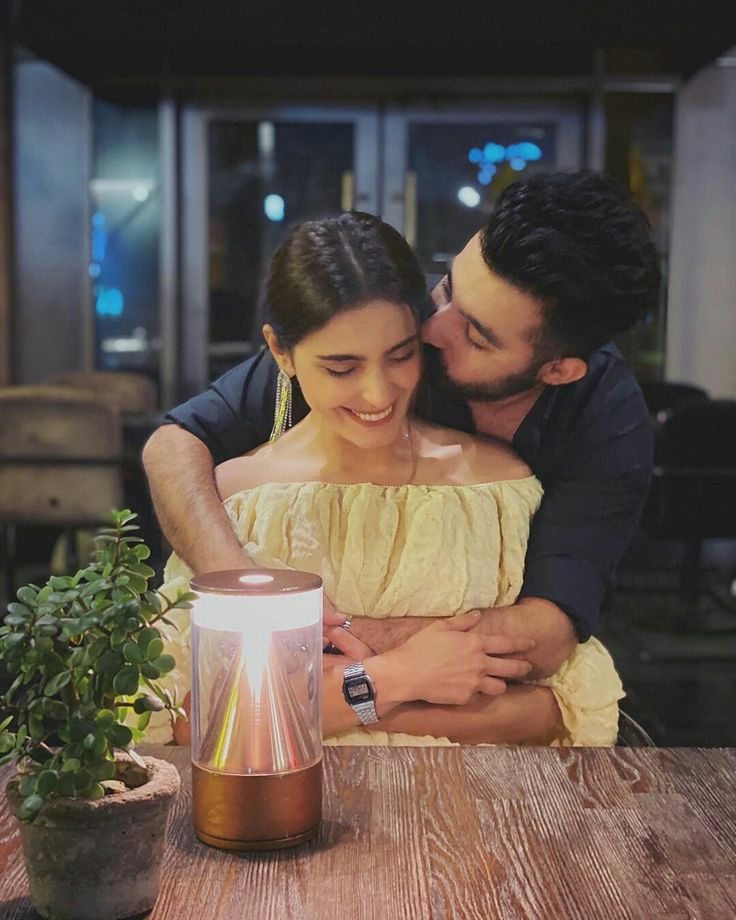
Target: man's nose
{"points": [[438, 328]]}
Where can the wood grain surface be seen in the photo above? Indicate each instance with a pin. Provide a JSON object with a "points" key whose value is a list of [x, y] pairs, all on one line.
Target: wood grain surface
{"points": [[468, 832]]}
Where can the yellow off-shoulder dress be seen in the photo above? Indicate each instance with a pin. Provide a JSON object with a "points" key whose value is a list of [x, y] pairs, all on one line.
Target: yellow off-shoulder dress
{"points": [[398, 551]]}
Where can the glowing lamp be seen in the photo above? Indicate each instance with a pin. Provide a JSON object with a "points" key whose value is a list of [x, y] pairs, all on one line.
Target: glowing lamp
{"points": [[256, 716]]}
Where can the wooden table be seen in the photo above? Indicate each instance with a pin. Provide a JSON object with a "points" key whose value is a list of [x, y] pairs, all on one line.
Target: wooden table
{"points": [[469, 833]]}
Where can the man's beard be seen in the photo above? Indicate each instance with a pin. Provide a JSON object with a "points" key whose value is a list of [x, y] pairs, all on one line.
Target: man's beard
{"points": [[488, 391]]}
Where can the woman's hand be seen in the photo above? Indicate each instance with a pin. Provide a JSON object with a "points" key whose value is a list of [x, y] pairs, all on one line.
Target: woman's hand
{"points": [[350, 646], [448, 663], [331, 618]]}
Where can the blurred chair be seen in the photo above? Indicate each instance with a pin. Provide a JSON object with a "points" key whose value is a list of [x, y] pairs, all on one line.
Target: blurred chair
{"points": [[134, 394], [693, 494], [664, 395], [60, 464], [630, 733], [130, 392]]}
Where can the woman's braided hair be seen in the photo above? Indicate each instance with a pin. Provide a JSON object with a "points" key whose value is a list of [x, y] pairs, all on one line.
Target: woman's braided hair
{"points": [[332, 264]]}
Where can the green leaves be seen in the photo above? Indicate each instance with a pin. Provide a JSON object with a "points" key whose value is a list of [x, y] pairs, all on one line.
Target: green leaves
{"points": [[126, 680], [57, 683], [164, 663], [30, 807], [132, 652], [47, 782], [154, 649], [78, 652], [119, 735]]}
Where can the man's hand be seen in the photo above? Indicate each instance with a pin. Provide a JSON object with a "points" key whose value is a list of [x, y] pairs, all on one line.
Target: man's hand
{"points": [[450, 661], [550, 627], [534, 618]]}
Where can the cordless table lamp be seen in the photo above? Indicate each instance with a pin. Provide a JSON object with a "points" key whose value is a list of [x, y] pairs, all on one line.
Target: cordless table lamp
{"points": [[256, 708]]}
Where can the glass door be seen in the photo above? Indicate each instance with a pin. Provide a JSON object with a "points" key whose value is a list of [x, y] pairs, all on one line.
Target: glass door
{"points": [[253, 174], [445, 169], [247, 175]]}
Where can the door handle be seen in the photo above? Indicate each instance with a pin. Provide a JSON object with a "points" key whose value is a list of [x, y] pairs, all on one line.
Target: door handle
{"points": [[410, 207]]}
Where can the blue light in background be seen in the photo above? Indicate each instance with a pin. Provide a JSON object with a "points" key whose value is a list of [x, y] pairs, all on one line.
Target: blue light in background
{"points": [[274, 207], [494, 153], [109, 302], [525, 151], [99, 237], [94, 269], [518, 156]]}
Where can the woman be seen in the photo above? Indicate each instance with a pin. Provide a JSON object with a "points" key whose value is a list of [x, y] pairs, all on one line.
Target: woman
{"points": [[398, 516]]}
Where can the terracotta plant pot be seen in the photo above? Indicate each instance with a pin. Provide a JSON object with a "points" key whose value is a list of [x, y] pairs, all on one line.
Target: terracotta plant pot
{"points": [[100, 859]]}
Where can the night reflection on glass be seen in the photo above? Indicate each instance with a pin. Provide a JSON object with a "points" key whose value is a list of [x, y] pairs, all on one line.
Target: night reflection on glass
{"points": [[124, 237], [459, 170], [264, 176]]}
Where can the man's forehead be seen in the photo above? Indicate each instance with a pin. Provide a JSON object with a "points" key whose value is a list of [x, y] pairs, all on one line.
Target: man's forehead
{"points": [[468, 265], [489, 298]]}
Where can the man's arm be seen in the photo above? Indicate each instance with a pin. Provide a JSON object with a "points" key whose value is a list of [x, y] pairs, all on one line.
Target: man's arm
{"points": [[596, 478], [179, 470], [522, 713], [535, 618], [230, 418]]}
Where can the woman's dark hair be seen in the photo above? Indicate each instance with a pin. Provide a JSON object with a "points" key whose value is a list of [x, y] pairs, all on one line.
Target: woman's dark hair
{"points": [[326, 266], [581, 246]]}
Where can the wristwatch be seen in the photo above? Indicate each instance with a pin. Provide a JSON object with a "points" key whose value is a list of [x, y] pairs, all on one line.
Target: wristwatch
{"points": [[359, 692]]}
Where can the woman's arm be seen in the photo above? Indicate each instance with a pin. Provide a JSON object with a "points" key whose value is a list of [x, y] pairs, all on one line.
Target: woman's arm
{"points": [[551, 630], [447, 663]]}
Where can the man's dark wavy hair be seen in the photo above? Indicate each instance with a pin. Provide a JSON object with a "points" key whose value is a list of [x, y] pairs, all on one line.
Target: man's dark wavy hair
{"points": [[579, 244]]}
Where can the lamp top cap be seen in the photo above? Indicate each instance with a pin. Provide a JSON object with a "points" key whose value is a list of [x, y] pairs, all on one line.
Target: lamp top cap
{"points": [[256, 582]]}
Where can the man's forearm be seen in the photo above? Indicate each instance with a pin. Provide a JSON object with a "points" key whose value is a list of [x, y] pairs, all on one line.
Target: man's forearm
{"points": [[535, 618], [179, 470], [522, 713]]}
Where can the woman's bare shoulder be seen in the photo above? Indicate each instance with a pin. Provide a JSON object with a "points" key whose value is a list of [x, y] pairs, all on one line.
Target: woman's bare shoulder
{"points": [[252, 469], [464, 459]]}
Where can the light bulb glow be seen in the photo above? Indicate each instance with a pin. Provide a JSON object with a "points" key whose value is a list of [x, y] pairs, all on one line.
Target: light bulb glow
{"points": [[468, 196], [274, 207], [251, 614], [255, 579]]}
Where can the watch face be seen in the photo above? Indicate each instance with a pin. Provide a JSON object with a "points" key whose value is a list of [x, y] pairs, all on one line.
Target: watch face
{"points": [[358, 690]]}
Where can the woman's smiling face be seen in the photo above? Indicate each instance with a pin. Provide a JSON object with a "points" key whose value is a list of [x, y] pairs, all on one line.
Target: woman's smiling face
{"points": [[358, 373]]}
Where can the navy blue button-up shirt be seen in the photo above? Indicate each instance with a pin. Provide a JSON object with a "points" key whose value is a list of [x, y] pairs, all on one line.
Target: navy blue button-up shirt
{"points": [[589, 443]]}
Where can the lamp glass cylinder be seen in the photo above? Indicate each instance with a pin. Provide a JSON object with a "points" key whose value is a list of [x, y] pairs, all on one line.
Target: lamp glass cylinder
{"points": [[256, 707]]}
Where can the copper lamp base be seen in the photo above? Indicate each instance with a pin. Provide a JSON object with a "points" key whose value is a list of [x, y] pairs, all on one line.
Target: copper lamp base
{"points": [[235, 811]]}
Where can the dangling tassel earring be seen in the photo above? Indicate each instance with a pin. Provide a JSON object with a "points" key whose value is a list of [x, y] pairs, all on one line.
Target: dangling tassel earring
{"points": [[282, 412]]}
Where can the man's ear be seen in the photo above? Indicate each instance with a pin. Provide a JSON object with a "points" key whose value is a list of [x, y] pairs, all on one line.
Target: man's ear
{"points": [[281, 355], [562, 370]]}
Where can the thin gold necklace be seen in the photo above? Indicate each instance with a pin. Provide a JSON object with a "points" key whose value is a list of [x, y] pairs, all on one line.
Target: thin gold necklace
{"points": [[412, 451]]}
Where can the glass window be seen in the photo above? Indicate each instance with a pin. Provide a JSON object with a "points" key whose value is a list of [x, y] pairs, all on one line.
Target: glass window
{"points": [[456, 173], [264, 176], [639, 154], [124, 236]]}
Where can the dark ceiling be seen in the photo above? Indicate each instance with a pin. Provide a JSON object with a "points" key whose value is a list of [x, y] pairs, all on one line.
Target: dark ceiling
{"points": [[180, 42]]}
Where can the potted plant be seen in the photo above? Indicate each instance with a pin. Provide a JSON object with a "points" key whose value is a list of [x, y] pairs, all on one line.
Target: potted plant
{"points": [[83, 656]]}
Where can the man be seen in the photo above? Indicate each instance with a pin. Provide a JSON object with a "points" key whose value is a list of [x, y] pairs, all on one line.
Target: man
{"points": [[519, 348]]}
